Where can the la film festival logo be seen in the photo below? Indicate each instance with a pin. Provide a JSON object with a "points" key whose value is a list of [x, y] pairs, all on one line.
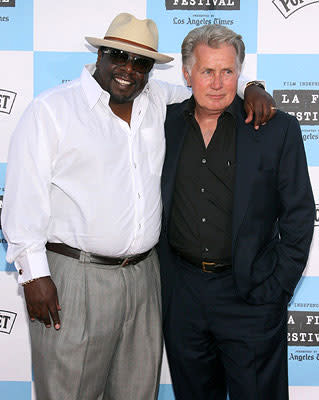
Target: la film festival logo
{"points": [[288, 7], [7, 99], [202, 4], [7, 3], [303, 104], [7, 320], [303, 328]]}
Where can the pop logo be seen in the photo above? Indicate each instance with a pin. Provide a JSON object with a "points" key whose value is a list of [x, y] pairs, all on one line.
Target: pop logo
{"points": [[288, 7]]}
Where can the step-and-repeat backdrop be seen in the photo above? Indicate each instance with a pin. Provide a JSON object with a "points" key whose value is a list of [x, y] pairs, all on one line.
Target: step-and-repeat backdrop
{"points": [[42, 45]]}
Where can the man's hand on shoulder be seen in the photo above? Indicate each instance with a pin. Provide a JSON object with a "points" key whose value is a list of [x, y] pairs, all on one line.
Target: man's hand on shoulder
{"points": [[259, 105], [42, 301]]}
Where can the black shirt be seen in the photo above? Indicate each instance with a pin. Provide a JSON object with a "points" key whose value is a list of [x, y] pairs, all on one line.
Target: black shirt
{"points": [[201, 219]]}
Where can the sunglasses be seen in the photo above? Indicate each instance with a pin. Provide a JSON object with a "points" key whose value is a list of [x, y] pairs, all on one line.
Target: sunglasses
{"points": [[121, 57]]}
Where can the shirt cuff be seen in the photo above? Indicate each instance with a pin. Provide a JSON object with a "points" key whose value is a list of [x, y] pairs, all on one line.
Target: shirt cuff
{"points": [[31, 266]]}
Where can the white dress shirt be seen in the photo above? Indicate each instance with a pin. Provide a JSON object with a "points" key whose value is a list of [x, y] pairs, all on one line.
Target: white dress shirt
{"points": [[78, 174]]}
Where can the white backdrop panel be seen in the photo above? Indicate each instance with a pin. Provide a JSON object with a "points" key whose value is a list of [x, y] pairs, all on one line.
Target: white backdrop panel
{"points": [[285, 32], [61, 25]]}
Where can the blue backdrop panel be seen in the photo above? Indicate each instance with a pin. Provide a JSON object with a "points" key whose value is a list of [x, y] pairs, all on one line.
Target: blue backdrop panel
{"points": [[16, 25], [15, 390], [53, 68], [166, 392]]}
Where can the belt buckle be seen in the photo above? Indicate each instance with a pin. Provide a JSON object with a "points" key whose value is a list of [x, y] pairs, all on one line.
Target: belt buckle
{"points": [[204, 263], [125, 262]]}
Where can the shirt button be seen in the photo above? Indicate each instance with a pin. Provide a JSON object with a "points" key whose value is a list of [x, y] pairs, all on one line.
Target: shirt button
{"points": [[134, 165], [138, 195], [204, 161], [139, 226], [202, 190], [228, 163], [203, 219]]}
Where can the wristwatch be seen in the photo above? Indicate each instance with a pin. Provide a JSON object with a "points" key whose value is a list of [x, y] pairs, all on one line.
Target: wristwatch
{"points": [[257, 83]]}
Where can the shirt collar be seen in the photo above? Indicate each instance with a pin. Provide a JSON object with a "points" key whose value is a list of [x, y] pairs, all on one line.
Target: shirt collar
{"points": [[189, 109], [234, 108], [93, 90]]}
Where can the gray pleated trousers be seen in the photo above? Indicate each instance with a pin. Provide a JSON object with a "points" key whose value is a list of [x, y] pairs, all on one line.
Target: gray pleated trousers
{"points": [[109, 346]]}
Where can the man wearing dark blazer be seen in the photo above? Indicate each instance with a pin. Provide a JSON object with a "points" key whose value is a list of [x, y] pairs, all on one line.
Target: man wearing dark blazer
{"points": [[238, 215]]}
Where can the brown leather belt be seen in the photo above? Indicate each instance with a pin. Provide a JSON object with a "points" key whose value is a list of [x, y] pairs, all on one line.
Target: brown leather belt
{"points": [[207, 266], [68, 251]]}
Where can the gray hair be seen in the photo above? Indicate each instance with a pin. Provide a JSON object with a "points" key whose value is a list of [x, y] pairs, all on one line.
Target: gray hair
{"points": [[213, 36]]}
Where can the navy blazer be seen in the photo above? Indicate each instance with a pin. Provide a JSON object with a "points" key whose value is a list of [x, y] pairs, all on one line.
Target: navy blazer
{"points": [[273, 207]]}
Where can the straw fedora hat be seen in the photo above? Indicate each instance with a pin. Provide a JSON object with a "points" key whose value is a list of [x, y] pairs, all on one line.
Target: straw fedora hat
{"points": [[139, 36]]}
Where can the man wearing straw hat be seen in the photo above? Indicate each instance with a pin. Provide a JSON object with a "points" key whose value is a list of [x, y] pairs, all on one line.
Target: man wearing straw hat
{"points": [[82, 213]]}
